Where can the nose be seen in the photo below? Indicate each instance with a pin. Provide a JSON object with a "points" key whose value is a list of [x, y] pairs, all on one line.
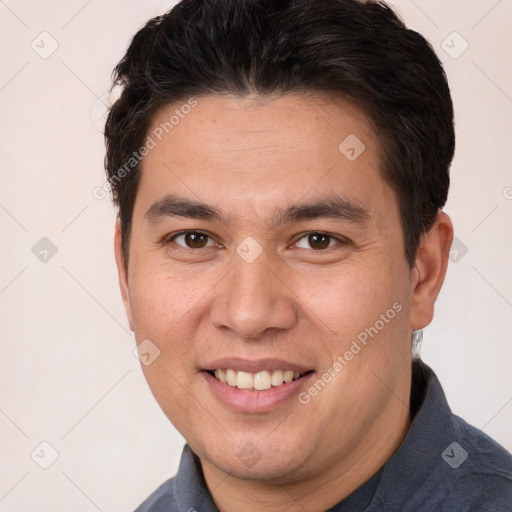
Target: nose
{"points": [[253, 300]]}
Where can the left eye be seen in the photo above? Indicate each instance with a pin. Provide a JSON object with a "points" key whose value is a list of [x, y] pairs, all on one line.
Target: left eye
{"points": [[318, 241]]}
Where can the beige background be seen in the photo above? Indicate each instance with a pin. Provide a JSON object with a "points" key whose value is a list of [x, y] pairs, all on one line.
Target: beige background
{"points": [[69, 376]]}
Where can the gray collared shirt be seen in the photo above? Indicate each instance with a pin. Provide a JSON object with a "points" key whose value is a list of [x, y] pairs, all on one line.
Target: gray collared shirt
{"points": [[442, 465]]}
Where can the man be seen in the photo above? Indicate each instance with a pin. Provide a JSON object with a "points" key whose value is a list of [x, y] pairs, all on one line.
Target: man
{"points": [[280, 169]]}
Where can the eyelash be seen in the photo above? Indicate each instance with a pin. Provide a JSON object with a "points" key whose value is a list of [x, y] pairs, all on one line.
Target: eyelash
{"points": [[167, 240]]}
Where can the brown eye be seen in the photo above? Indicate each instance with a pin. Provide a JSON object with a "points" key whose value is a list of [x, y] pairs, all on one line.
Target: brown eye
{"points": [[191, 239], [317, 241]]}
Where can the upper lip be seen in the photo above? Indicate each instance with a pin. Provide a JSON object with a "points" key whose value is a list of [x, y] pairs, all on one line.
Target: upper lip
{"points": [[255, 365]]}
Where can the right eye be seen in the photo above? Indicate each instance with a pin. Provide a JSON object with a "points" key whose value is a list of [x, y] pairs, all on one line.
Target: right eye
{"points": [[191, 239]]}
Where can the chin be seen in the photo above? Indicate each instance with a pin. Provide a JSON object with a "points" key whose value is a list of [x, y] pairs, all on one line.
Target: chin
{"points": [[245, 461]]}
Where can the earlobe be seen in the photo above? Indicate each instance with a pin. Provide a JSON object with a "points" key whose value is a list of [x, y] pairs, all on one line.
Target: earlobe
{"points": [[430, 270], [122, 272]]}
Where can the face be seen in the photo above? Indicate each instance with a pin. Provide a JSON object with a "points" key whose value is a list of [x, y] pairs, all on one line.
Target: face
{"points": [[262, 249]]}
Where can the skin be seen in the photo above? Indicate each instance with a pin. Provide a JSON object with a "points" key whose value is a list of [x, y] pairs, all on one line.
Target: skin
{"points": [[249, 157]]}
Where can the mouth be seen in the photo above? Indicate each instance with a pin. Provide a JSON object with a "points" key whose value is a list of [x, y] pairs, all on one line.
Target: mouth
{"points": [[258, 381], [256, 385]]}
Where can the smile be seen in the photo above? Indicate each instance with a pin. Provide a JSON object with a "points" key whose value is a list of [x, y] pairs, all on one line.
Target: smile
{"points": [[259, 381]]}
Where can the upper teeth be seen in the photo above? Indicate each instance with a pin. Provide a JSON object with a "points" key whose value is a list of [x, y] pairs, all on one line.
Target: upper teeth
{"points": [[258, 381]]}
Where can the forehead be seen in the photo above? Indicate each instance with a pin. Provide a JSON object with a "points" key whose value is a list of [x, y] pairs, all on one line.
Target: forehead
{"points": [[252, 151]]}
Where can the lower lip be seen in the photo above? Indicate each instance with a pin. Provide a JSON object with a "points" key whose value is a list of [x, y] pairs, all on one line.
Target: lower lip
{"points": [[255, 401]]}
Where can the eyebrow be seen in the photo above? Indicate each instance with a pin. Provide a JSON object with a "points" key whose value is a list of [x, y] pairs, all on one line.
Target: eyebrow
{"points": [[175, 206], [332, 206]]}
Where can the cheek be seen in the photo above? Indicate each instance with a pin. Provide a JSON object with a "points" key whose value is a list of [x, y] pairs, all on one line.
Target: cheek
{"points": [[170, 307], [163, 293], [350, 298], [165, 306], [160, 303]]}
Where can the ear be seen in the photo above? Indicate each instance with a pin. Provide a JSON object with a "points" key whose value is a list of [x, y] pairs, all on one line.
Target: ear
{"points": [[429, 270], [122, 271]]}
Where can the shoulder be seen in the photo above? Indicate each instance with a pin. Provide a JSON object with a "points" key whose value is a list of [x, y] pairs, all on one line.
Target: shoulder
{"points": [[445, 464], [479, 471]]}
